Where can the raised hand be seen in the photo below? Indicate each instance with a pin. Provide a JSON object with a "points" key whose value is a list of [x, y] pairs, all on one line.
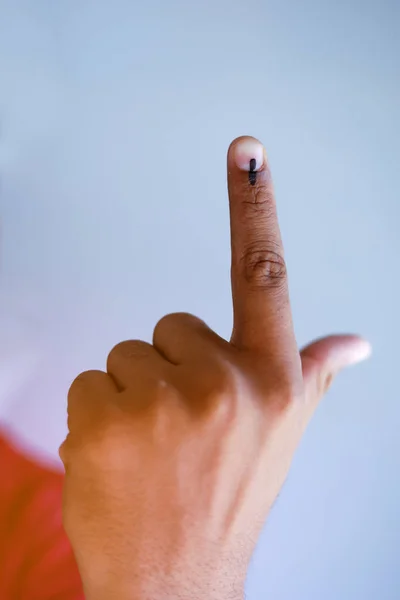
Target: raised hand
{"points": [[176, 454]]}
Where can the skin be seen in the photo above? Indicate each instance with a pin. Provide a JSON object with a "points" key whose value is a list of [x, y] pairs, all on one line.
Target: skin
{"points": [[176, 454]]}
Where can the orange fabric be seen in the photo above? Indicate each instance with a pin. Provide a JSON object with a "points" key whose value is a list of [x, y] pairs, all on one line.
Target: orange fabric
{"points": [[36, 560]]}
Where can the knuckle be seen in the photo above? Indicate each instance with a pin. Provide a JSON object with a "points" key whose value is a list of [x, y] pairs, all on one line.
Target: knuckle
{"points": [[259, 198], [263, 198], [84, 381], [286, 398], [285, 401], [225, 378], [223, 409], [281, 407], [130, 349], [163, 394], [264, 268], [181, 318], [166, 321], [222, 387], [172, 322]]}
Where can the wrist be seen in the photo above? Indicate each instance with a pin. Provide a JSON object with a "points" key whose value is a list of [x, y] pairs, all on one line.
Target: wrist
{"points": [[198, 570], [155, 583], [186, 590]]}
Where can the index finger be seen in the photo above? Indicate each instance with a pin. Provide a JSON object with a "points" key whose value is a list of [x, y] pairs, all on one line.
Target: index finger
{"points": [[262, 315]]}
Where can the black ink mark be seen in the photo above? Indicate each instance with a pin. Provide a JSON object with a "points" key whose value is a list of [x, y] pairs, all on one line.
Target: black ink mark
{"points": [[252, 171]]}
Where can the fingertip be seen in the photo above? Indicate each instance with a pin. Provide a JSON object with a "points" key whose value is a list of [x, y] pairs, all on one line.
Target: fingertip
{"points": [[247, 153], [338, 351], [358, 350], [323, 359]]}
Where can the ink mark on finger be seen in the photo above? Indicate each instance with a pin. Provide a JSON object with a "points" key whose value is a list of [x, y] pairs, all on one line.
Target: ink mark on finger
{"points": [[252, 171]]}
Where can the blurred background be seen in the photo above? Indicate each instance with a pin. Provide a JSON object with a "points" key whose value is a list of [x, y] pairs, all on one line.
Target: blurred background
{"points": [[115, 118]]}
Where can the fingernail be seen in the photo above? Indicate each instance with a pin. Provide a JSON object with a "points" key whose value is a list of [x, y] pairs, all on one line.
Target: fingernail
{"points": [[249, 155], [358, 352]]}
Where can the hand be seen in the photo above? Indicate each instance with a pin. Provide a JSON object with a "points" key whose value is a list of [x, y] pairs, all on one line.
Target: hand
{"points": [[175, 456]]}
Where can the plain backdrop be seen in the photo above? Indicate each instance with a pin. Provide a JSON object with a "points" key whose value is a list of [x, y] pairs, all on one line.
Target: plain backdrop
{"points": [[115, 118]]}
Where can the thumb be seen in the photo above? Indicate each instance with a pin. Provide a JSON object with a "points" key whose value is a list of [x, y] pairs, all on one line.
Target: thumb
{"points": [[324, 358]]}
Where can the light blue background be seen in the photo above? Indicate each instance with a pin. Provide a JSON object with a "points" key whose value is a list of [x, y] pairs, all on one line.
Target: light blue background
{"points": [[115, 118]]}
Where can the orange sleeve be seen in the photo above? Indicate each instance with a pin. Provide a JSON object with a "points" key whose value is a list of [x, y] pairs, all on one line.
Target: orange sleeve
{"points": [[36, 559], [49, 571]]}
